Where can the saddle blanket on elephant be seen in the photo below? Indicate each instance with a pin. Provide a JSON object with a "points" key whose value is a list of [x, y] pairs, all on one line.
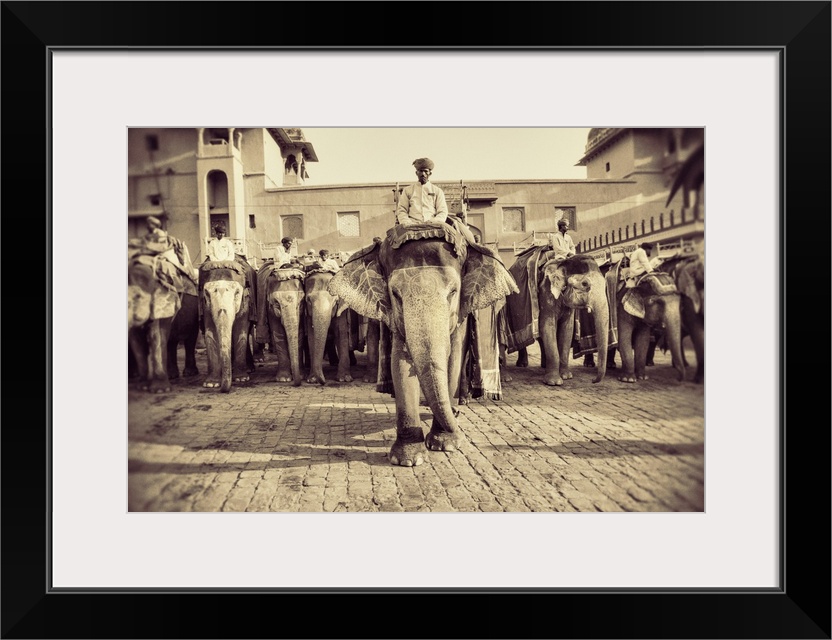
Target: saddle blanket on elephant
{"points": [[482, 364], [399, 234], [267, 271], [522, 309], [168, 273]]}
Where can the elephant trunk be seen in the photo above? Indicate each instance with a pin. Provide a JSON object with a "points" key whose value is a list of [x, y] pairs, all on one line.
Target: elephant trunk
{"points": [[224, 322], [430, 349], [291, 324], [320, 317], [601, 314]]}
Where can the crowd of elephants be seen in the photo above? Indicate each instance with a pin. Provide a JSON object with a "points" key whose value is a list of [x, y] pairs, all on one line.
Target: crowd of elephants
{"points": [[416, 297]]}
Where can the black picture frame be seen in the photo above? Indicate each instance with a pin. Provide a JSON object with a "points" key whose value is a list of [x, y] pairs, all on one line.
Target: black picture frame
{"points": [[800, 608]]}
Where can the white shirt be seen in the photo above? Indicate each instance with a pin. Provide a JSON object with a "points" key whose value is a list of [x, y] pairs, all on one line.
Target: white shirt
{"points": [[563, 245], [639, 262], [220, 249], [421, 203]]}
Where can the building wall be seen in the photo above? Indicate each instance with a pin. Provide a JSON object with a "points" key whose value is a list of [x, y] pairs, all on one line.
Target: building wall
{"points": [[609, 210]]}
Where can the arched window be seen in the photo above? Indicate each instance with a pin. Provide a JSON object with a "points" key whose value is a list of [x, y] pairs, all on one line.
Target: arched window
{"points": [[292, 226]]}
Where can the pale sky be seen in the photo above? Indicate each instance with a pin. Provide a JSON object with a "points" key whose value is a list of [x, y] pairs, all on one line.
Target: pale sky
{"points": [[360, 155]]}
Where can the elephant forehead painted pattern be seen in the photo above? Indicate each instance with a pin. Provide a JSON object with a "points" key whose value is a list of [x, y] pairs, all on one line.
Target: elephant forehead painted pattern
{"points": [[423, 282]]}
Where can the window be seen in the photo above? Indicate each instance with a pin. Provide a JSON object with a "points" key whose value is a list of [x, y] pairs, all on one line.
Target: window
{"points": [[292, 226], [608, 167], [570, 213], [348, 224], [513, 219], [251, 223], [152, 142]]}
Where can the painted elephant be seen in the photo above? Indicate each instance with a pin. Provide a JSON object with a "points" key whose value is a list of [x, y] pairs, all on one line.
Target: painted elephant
{"points": [[281, 310], [226, 296], [553, 291], [326, 320], [422, 282], [688, 272], [653, 305], [184, 330], [157, 280]]}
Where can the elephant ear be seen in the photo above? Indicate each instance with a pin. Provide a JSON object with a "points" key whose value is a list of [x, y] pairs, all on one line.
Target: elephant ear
{"points": [[485, 281], [556, 275], [361, 286]]}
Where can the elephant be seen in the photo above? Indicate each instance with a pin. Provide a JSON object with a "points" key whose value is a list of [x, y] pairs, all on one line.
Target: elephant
{"points": [[157, 280], [422, 282], [185, 330], [653, 305], [226, 299], [326, 319], [281, 310], [688, 272], [557, 289]]}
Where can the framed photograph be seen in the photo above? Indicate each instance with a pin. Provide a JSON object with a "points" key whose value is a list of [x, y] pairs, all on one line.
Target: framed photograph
{"points": [[83, 557]]}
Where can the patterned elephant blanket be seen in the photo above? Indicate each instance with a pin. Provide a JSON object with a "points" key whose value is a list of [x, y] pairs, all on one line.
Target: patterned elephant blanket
{"points": [[522, 309]]}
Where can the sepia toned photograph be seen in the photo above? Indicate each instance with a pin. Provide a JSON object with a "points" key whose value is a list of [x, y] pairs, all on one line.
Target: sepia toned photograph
{"points": [[416, 319]]}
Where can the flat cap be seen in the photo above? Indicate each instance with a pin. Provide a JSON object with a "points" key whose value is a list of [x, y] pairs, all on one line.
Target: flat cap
{"points": [[423, 163]]}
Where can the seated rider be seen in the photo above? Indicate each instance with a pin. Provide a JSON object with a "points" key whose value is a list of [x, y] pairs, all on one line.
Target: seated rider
{"points": [[327, 261], [640, 264], [220, 247], [562, 243], [423, 201]]}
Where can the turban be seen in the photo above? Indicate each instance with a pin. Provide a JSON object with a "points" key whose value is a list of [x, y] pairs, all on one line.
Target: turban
{"points": [[154, 222], [423, 163]]}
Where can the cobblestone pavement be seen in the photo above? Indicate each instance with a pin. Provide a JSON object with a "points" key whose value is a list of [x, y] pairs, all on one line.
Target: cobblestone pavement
{"points": [[268, 446]]}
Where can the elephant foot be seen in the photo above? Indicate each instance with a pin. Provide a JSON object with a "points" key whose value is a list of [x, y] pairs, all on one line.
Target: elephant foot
{"points": [[345, 378], [368, 378], [553, 381], [442, 440], [190, 372], [463, 400], [157, 386], [173, 375], [522, 362], [316, 379], [627, 378], [504, 377], [649, 364], [589, 361], [408, 449], [211, 384], [283, 377], [566, 375], [242, 378], [612, 365]]}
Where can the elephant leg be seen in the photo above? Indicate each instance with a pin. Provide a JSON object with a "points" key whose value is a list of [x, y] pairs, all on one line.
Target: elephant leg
{"points": [[241, 353], [408, 449], [372, 351], [522, 357], [641, 344], [342, 333], [611, 358], [280, 347], [566, 328], [189, 342], [589, 360], [258, 348], [651, 351], [138, 347], [549, 333], [625, 346], [505, 376], [543, 361], [172, 354], [158, 333]]}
